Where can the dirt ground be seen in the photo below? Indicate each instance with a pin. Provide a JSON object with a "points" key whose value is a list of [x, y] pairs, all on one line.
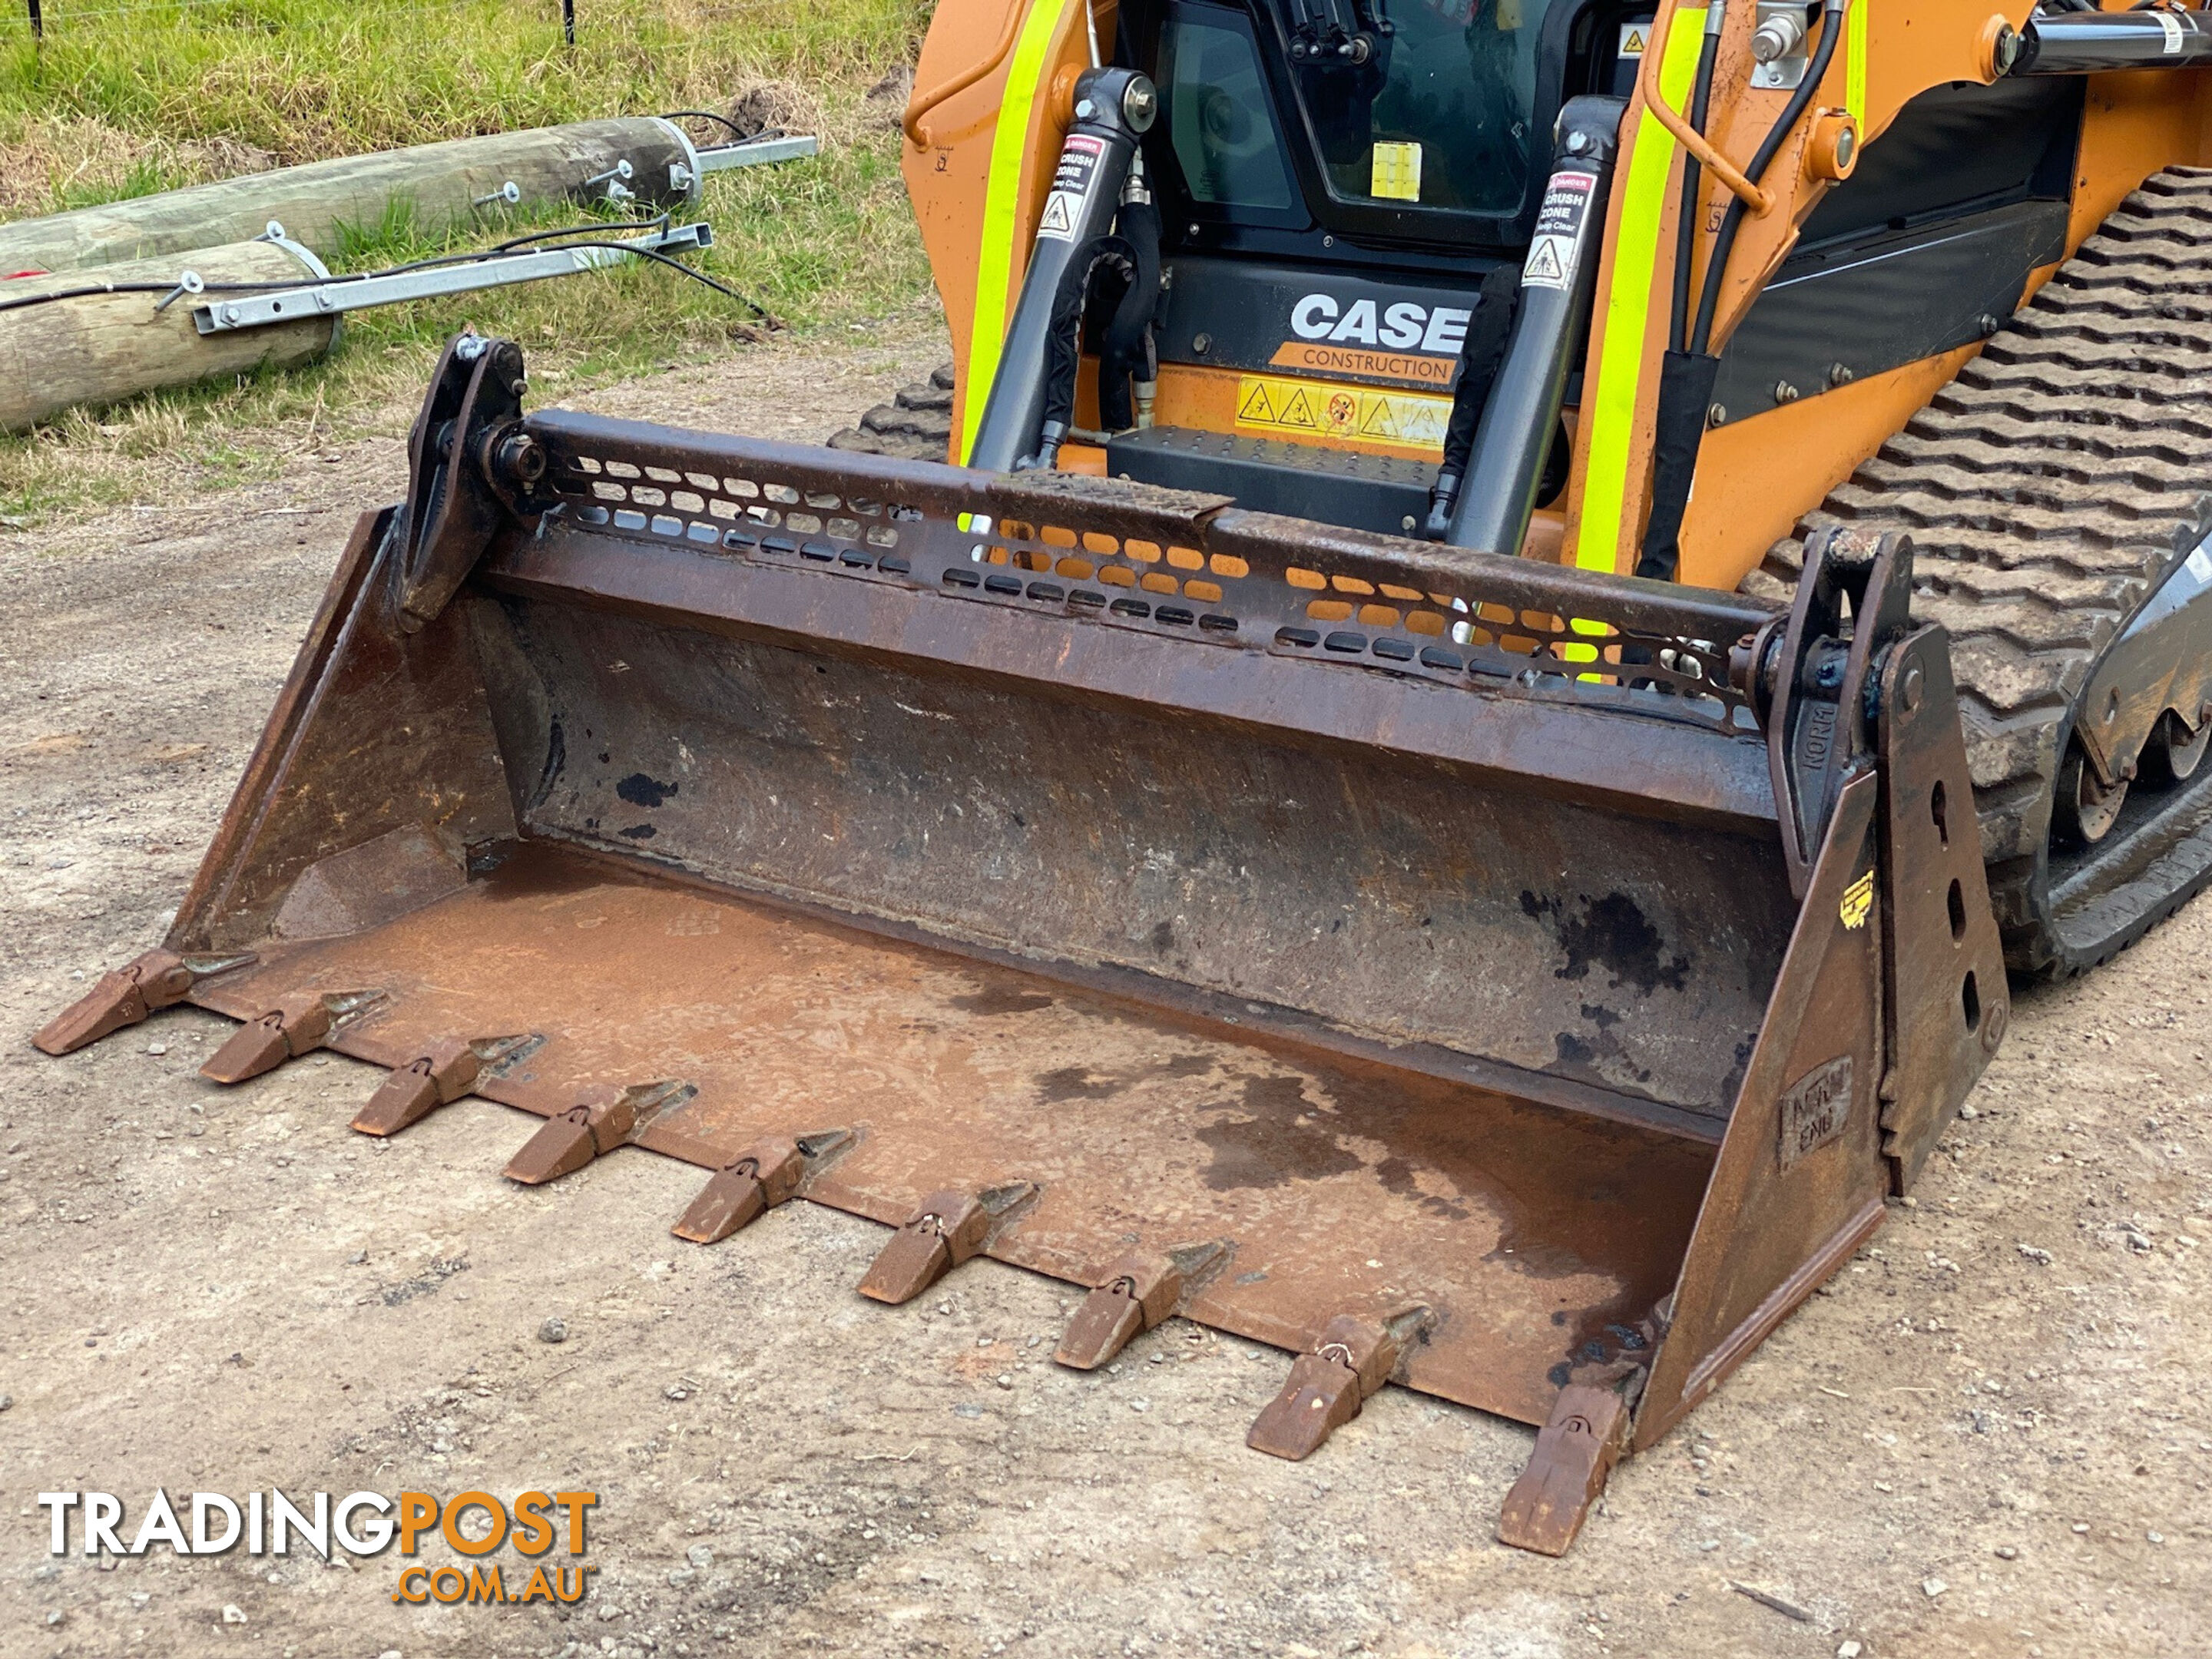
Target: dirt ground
{"points": [[1957, 1447]]}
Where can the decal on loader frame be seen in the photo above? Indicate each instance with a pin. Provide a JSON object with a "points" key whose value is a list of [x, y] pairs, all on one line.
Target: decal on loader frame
{"points": [[1362, 414]]}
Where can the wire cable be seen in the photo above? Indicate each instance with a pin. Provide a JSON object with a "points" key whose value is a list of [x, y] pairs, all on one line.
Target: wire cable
{"points": [[735, 131]]}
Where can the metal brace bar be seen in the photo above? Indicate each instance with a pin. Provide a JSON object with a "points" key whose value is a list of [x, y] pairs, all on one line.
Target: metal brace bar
{"points": [[758, 152], [343, 294]]}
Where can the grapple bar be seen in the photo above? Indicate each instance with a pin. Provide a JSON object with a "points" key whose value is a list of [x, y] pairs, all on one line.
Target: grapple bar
{"points": [[1416, 930]]}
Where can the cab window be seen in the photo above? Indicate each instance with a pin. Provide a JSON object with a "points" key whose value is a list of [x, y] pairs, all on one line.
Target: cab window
{"points": [[1220, 119]]}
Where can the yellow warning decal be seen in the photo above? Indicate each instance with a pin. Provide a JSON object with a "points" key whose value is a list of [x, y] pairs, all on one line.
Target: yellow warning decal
{"points": [[1305, 409], [1858, 901]]}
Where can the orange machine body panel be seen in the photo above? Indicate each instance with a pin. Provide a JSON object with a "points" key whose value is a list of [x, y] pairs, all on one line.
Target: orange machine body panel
{"points": [[974, 184]]}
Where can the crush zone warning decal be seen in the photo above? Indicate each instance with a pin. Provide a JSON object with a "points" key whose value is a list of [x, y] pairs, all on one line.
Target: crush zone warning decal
{"points": [[1550, 262], [1071, 183], [1302, 409]]}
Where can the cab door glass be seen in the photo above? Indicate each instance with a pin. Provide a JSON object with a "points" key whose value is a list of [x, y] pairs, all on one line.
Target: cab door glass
{"points": [[1219, 118], [1420, 102]]}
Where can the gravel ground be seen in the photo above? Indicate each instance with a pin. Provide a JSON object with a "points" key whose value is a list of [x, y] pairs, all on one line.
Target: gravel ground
{"points": [[1990, 1435]]}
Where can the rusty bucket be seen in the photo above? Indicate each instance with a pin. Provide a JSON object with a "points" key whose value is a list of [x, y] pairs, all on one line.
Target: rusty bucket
{"points": [[1519, 985]]}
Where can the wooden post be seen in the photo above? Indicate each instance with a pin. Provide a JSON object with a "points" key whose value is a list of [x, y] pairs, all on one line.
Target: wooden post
{"points": [[568, 20], [447, 186], [39, 18], [103, 348]]}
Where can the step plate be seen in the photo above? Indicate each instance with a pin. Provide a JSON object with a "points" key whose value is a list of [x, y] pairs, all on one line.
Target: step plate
{"points": [[1537, 1237]]}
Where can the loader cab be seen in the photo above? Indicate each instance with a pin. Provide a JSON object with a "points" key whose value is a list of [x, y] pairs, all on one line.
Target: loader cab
{"points": [[1363, 131], [1338, 180]]}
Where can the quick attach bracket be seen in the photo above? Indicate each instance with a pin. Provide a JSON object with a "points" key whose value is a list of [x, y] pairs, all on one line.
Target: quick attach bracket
{"points": [[1823, 680], [471, 465]]}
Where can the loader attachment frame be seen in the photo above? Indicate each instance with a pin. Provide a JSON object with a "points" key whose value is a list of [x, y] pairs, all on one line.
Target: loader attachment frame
{"points": [[1389, 953]]}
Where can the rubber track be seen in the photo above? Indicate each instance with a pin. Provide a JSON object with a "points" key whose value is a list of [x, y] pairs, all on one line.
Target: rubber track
{"points": [[2047, 490], [917, 425]]}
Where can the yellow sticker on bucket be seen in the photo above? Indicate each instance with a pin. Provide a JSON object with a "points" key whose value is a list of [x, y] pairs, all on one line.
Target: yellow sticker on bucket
{"points": [[1858, 902]]}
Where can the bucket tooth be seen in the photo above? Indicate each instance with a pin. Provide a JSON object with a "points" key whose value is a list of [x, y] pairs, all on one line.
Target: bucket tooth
{"points": [[123, 997], [562, 1145], [1574, 1453], [1321, 1397], [948, 1228], [414, 1091], [1138, 1292], [749, 1185], [1352, 1358], [296, 1026], [605, 1118]]}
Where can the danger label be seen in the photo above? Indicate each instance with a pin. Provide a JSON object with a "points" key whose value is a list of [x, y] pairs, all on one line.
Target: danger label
{"points": [[1070, 184], [1059, 221], [1551, 262], [1551, 252], [1359, 414]]}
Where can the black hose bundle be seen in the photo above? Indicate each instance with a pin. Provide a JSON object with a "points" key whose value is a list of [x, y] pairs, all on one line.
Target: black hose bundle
{"points": [[1126, 353], [1688, 371], [1114, 259]]}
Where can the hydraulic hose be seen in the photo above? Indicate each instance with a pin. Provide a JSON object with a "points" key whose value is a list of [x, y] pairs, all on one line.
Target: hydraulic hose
{"points": [[1123, 354], [1831, 34], [1688, 374], [1686, 228], [1064, 348]]}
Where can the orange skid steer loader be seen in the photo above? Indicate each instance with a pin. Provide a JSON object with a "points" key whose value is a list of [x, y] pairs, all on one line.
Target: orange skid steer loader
{"points": [[1536, 601]]}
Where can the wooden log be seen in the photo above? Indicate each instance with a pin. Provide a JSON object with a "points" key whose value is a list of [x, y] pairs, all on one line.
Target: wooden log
{"points": [[101, 348], [445, 184]]}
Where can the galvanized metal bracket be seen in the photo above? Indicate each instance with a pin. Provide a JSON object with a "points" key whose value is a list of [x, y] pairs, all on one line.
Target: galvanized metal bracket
{"points": [[332, 296], [1575, 1453]]}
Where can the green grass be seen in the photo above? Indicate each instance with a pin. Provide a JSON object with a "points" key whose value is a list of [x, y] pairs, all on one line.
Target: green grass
{"points": [[127, 98]]}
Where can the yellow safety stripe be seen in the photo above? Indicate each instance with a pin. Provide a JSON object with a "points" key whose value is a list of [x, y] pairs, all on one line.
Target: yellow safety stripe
{"points": [[1611, 410], [1855, 51], [994, 258]]}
